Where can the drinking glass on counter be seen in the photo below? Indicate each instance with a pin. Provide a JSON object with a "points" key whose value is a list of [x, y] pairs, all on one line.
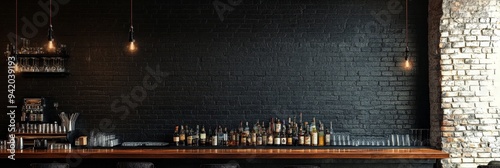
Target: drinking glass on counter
{"points": [[102, 139]]}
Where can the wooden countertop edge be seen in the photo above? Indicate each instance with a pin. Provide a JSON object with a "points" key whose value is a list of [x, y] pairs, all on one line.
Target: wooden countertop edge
{"points": [[235, 153]]}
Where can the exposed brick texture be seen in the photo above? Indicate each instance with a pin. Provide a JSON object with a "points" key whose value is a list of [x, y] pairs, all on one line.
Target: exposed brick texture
{"points": [[469, 82], [339, 61]]}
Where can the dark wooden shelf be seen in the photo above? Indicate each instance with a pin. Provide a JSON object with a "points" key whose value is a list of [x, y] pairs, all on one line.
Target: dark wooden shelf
{"points": [[54, 55]]}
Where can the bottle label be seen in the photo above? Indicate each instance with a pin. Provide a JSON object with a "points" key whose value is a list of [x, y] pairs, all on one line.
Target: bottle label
{"points": [[259, 140], [301, 140], [289, 141], [203, 136], [277, 141], [270, 140], [214, 141], [176, 139], [182, 137], [307, 140], [283, 141], [327, 139], [278, 127], [314, 138]]}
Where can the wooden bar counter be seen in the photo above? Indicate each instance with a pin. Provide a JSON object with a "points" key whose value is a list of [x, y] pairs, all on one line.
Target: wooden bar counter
{"points": [[232, 153]]}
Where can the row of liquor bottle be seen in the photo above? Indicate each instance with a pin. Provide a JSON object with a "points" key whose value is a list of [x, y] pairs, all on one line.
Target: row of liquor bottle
{"points": [[279, 132]]}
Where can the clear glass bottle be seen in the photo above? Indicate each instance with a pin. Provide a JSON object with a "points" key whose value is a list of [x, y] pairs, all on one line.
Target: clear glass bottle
{"points": [[289, 136], [196, 136], [269, 136], [314, 133], [307, 135], [301, 137], [214, 138], [327, 138], [225, 137], [203, 136], [182, 137], [176, 135], [189, 139], [321, 135]]}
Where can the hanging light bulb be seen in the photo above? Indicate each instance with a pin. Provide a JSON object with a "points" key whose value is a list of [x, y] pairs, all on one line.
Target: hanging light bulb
{"points": [[50, 46], [132, 46], [51, 38], [407, 50], [407, 58]]}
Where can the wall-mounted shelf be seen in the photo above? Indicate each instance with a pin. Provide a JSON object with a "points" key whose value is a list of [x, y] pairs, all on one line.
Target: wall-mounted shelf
{"points": [[43, 55], [43, 65]]}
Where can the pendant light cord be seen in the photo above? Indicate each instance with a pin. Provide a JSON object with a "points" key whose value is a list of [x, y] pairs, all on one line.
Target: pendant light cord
{"points": [[131, 21], [15, 51], [50, 13], [406, 36]]}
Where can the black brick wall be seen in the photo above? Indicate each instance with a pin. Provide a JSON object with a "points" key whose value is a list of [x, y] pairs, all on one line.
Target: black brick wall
{"points": [[333, 60]]}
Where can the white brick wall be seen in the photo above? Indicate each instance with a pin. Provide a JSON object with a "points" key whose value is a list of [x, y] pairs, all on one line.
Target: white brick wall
{"points": [[470, 82]]}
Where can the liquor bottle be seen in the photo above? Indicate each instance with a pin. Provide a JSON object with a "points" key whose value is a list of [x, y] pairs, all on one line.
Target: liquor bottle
{"points": [[277, 125], [289, 136], [314, 133], [23, 114], [176, 135], [269, 135], [196, 136], [237, 141], [283, 135], [189, 139], [209, 138], [263, 133], [307, 135], [259, 139], [301, 137], [203, 136], [220, 136], [295, 135], [243, 135], [321, 134], [214, 138], [327, 137], [253, 134], [182, 137], [248, 140], [232, 138], [277, 139], [225, 137]]}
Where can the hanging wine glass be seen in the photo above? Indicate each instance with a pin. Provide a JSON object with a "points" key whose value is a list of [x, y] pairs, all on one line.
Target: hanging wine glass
{"points": [[54, 65]]}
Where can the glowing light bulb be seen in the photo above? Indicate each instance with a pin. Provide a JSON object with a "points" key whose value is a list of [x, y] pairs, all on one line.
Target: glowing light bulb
{"points": [[51, 45], [407, 64], [16, 68], [132, 46]]}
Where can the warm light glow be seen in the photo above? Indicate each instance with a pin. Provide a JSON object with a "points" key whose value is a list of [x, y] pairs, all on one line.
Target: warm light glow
{"points": [[51, 45], [16, 69], [132, 46], [407, 64]]}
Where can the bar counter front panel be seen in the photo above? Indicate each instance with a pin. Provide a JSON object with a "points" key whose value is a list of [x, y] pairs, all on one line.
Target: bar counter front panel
{"points": [[412, 153]]}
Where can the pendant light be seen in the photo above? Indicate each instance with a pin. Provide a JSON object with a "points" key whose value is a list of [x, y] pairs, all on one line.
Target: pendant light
{"points": [[50, 46], [131, 39], [407, 50], [13, 48]]}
